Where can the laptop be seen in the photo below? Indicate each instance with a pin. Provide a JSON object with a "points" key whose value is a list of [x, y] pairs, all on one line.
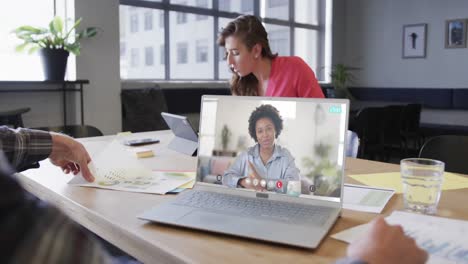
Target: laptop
{"points": [[296, 193], [186, 139]]}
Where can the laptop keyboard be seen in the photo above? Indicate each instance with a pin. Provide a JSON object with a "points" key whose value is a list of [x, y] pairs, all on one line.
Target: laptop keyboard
{"points": [[257, 208]]}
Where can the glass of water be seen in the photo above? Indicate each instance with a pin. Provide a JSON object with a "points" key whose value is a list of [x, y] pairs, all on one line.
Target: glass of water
{"points": [[422, 181]]}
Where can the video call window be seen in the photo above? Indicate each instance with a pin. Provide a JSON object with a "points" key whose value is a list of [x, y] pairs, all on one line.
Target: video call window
{"points": [[304, 140]]}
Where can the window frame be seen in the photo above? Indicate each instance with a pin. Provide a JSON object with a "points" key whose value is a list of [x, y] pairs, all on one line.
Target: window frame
{"points": [[166, 6]]}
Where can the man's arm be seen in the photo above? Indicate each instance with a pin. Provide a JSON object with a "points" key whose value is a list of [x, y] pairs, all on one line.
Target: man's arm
{"points": [[25, 147]]}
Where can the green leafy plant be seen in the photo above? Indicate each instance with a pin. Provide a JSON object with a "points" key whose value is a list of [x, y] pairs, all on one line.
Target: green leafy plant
{"points": [[53, 37], [342, 76], [324, 173]]}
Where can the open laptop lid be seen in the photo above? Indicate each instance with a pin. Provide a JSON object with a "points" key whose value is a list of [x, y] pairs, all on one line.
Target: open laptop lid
{"points": [[308, 153]]}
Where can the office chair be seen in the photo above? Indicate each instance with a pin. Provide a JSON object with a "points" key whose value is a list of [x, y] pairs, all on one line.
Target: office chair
{"points": [[141, 110], [393, 117], [369, 126], [13, 118], [451, 149], [410, 132]]}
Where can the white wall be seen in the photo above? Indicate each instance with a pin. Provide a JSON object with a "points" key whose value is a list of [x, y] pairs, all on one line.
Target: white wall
{"points": [[99, 62], [373, 41]]}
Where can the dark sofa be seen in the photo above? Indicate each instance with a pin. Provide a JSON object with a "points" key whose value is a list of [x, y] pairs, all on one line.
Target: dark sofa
{"points": [[445, 110]]}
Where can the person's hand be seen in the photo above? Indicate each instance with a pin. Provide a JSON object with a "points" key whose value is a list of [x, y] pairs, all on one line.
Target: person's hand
{"points": [[384, 243], [70, 156], [253, 176]]}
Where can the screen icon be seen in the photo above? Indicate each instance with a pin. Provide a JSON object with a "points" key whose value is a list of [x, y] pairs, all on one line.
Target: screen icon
{"points": [[263, 183], [279, 184]]}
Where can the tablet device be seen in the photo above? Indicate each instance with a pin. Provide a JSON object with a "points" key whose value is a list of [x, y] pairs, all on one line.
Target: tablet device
{"points": [[186, 139]]}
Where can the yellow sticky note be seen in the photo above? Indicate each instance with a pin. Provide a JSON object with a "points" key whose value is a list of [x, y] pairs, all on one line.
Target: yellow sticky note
{"points": [[188, 185], [145, 154], [142, 152], [392, 180], [126, 133]]}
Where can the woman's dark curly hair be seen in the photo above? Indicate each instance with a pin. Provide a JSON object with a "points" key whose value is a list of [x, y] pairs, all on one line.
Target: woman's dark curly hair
{"points": [[265, 111]]}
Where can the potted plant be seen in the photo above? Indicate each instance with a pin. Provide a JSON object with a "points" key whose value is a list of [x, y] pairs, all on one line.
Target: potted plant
{"points": [[54, 44], [225, 136], [341, 76]]}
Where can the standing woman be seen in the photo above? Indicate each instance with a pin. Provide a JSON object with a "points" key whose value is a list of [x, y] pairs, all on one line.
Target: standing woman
{"points": [[259, 72]]}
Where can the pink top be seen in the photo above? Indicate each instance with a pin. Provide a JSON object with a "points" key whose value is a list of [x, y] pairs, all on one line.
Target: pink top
{"points": [[292, 77]]}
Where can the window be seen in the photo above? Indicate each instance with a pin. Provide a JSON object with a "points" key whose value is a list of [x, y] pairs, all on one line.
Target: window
{"points": [[307, 11], [278, 9], [163, 56], [181, 18], [275, 3], [223, 68], [187, 45], [306, 44], [134, 58], [186, 66], [21, 66], [122, 49], [204, 4], [149, 56], [143, 62], [182, 53], [247, 6], [279, 39], [202, 50], [224, 5], [148, 20], [134, 23], [161, 20]]}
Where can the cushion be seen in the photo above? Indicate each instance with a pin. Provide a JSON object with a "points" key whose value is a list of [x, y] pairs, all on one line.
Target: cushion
{"points": [[220, 164]]}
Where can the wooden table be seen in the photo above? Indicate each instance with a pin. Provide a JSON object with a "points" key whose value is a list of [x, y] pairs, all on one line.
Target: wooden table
{"points": [[111, 215]]}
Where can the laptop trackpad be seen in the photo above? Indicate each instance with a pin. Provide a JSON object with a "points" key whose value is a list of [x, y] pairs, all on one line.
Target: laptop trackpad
{"points": [[236, 225], [199, 218]]}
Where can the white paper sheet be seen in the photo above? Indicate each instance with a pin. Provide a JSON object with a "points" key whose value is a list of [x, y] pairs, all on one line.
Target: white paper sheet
{"points": [[118, 169], [444, 239], [366, 198]]}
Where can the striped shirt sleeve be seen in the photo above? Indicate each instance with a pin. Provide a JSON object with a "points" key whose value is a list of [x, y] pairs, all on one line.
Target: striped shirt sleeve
{"points": [[24, 147]]}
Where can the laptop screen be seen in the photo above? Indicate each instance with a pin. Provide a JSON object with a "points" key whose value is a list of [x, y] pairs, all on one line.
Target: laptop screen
{"points": [[288, 146]]}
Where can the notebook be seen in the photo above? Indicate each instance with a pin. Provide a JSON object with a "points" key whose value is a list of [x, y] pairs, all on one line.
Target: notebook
{"points": [[269, 168]]}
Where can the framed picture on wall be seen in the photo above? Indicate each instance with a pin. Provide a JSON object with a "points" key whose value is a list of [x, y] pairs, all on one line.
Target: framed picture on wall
{"points": [[455, 33], [414, 41]]}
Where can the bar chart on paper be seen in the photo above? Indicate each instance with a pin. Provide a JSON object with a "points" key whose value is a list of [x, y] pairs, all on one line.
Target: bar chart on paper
{"points": [[444, 239]]}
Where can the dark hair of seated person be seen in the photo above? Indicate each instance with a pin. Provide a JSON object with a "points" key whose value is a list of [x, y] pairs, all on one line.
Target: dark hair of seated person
{"points": [[265, 111]]}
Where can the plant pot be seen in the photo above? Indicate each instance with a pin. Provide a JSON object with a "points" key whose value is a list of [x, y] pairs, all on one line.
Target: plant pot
{"points": [[54, 62]]}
